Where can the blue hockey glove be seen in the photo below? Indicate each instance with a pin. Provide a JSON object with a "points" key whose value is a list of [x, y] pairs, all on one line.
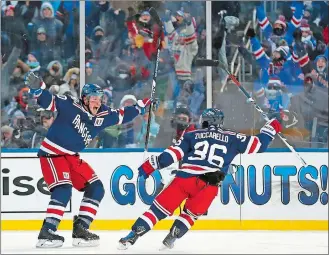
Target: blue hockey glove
{"points": [[148, 167], [142, 105], [35, 84]]}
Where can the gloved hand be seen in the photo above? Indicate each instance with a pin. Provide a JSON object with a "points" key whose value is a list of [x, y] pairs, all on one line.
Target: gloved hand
{"points": [[142, 104], [167, 16], [35, 84], [271, 128], [149, 166], [251, 32]]}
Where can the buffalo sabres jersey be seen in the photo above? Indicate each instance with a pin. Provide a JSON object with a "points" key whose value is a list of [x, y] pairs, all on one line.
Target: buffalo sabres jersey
{"points": [[74, 127], [209, 150]]}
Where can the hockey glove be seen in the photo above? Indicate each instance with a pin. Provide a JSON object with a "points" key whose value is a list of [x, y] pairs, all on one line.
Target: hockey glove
{"points": [[251, 32], [271, 128], [142, 104], [35, 84], [148, 167]]}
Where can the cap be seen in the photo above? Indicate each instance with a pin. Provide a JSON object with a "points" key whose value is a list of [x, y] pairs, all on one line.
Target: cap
{"points": [[145, 13], [89, 65], [41, 30]]}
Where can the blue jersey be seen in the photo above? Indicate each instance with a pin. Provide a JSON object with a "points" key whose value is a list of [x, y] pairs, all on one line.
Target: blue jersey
{"points": [[74, 127], [210, 150]]}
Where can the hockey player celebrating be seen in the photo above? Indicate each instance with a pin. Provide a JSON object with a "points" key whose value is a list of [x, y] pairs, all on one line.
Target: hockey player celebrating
{"points": [[77, 123], [206, 155]]}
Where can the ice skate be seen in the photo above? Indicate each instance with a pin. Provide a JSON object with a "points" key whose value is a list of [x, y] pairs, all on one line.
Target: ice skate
{"points": [[48, 239], [127, 241], [82, 237], [169, 241]]}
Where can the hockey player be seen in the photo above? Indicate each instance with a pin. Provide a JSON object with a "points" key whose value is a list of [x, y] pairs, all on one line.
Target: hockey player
{"points": [[78, 122], [206, 155]]}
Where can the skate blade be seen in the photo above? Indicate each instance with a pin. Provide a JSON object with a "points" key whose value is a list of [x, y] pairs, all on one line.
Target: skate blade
{"points": [[44, 243], [122, 246], [79, 242], [165, 247]]}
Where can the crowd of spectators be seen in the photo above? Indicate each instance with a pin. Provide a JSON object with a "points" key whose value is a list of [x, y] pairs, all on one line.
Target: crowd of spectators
{"points": [[44, 37]]}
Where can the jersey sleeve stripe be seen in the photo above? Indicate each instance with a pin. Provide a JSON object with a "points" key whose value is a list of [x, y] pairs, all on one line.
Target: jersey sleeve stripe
{"points": [[52, 105], [253, 145], [177, 151], [121, 115]]}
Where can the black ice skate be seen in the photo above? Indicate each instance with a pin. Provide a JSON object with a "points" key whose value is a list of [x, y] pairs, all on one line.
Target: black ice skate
{"points": [[48, 239], [127, 241], [82, 237], [169, 241]]}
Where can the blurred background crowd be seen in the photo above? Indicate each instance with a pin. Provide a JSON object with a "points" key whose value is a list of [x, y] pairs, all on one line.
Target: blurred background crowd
{"points": [[279, 50]]}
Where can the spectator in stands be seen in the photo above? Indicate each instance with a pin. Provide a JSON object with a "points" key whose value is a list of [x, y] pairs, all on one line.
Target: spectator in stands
{"points": [[14, 27], [54, 74], [27, 10], [72, 83], [320, 71], [53, 26], [184, 48], [46, 51], [33, 61], [92, 77], [7, 139]]}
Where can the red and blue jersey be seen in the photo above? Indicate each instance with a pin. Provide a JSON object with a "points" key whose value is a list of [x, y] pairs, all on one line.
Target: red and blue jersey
{"points": [[210, 150], [294, 23], [74, 127]]}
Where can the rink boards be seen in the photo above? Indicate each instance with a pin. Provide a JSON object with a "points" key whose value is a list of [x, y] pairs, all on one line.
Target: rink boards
{"points": [[269, 191]]}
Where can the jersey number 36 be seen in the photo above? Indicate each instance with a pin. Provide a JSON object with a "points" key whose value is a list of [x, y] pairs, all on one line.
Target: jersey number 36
{"points": [[201, 150]]}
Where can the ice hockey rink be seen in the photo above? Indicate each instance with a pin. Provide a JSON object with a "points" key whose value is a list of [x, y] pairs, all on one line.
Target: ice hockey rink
{"points": [[211, 242]]}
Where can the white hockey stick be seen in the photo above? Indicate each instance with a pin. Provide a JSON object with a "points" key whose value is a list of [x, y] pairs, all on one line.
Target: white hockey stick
{"points": [[251, 100]]}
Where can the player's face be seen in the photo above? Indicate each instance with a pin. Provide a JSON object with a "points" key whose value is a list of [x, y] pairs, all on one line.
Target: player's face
{"points": [[94, 104]]}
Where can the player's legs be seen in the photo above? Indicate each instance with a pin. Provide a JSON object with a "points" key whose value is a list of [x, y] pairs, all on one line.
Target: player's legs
{"points": [[85, 180], [60, 186], [195, 207], [163, 205]]}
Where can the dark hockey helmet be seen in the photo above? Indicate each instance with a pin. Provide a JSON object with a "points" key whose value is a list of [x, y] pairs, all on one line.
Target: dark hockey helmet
{"points": [[212, 117], [91, 90], [178, 121]]}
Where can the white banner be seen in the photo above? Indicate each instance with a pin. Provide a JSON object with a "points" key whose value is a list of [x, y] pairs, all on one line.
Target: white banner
{"points": [[270, 186]]}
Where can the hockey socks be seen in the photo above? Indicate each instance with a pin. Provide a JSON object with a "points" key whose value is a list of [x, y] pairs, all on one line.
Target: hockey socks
{"points": [[93, 195], [148, 220], [60, 196], [183, 223]]}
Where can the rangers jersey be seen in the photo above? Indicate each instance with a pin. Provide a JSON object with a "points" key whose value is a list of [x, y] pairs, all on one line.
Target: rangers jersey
{"points": [[74, 127], [209, 150]]}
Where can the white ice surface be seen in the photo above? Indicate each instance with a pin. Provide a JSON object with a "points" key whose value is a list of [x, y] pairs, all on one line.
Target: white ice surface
{"points": [[215, 242]]}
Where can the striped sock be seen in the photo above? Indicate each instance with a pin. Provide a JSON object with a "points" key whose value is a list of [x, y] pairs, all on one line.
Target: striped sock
{"points": [[55, 212], [184, 222], [87, 212]]}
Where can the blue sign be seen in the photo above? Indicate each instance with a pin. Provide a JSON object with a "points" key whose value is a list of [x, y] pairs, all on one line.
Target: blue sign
{"points": [[312, 192]]}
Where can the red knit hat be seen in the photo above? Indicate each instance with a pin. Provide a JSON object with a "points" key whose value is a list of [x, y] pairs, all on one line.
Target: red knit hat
{"points": [[304, 26], [281, 20], [10, 7]]}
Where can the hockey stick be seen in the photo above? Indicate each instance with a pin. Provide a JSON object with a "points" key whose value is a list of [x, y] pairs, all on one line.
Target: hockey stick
{"points": [[208, 62], [157, 20]]}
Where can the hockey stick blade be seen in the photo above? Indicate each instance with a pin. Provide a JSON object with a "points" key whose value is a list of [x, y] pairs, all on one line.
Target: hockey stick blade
{"points": [[155, 16]]}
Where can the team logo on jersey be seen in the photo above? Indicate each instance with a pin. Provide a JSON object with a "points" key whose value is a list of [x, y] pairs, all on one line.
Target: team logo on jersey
{"points": [[66, 175], [98, 122]]}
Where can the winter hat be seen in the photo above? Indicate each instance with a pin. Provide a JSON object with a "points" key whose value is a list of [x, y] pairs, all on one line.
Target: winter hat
{"points": [[304, 26], [128, 97], [274, 81], [282, 21], [180, 13], [146, 13], [41, 30], [98, 28], [283, 50], [44, 6], [10, 7], [320, 56]]}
